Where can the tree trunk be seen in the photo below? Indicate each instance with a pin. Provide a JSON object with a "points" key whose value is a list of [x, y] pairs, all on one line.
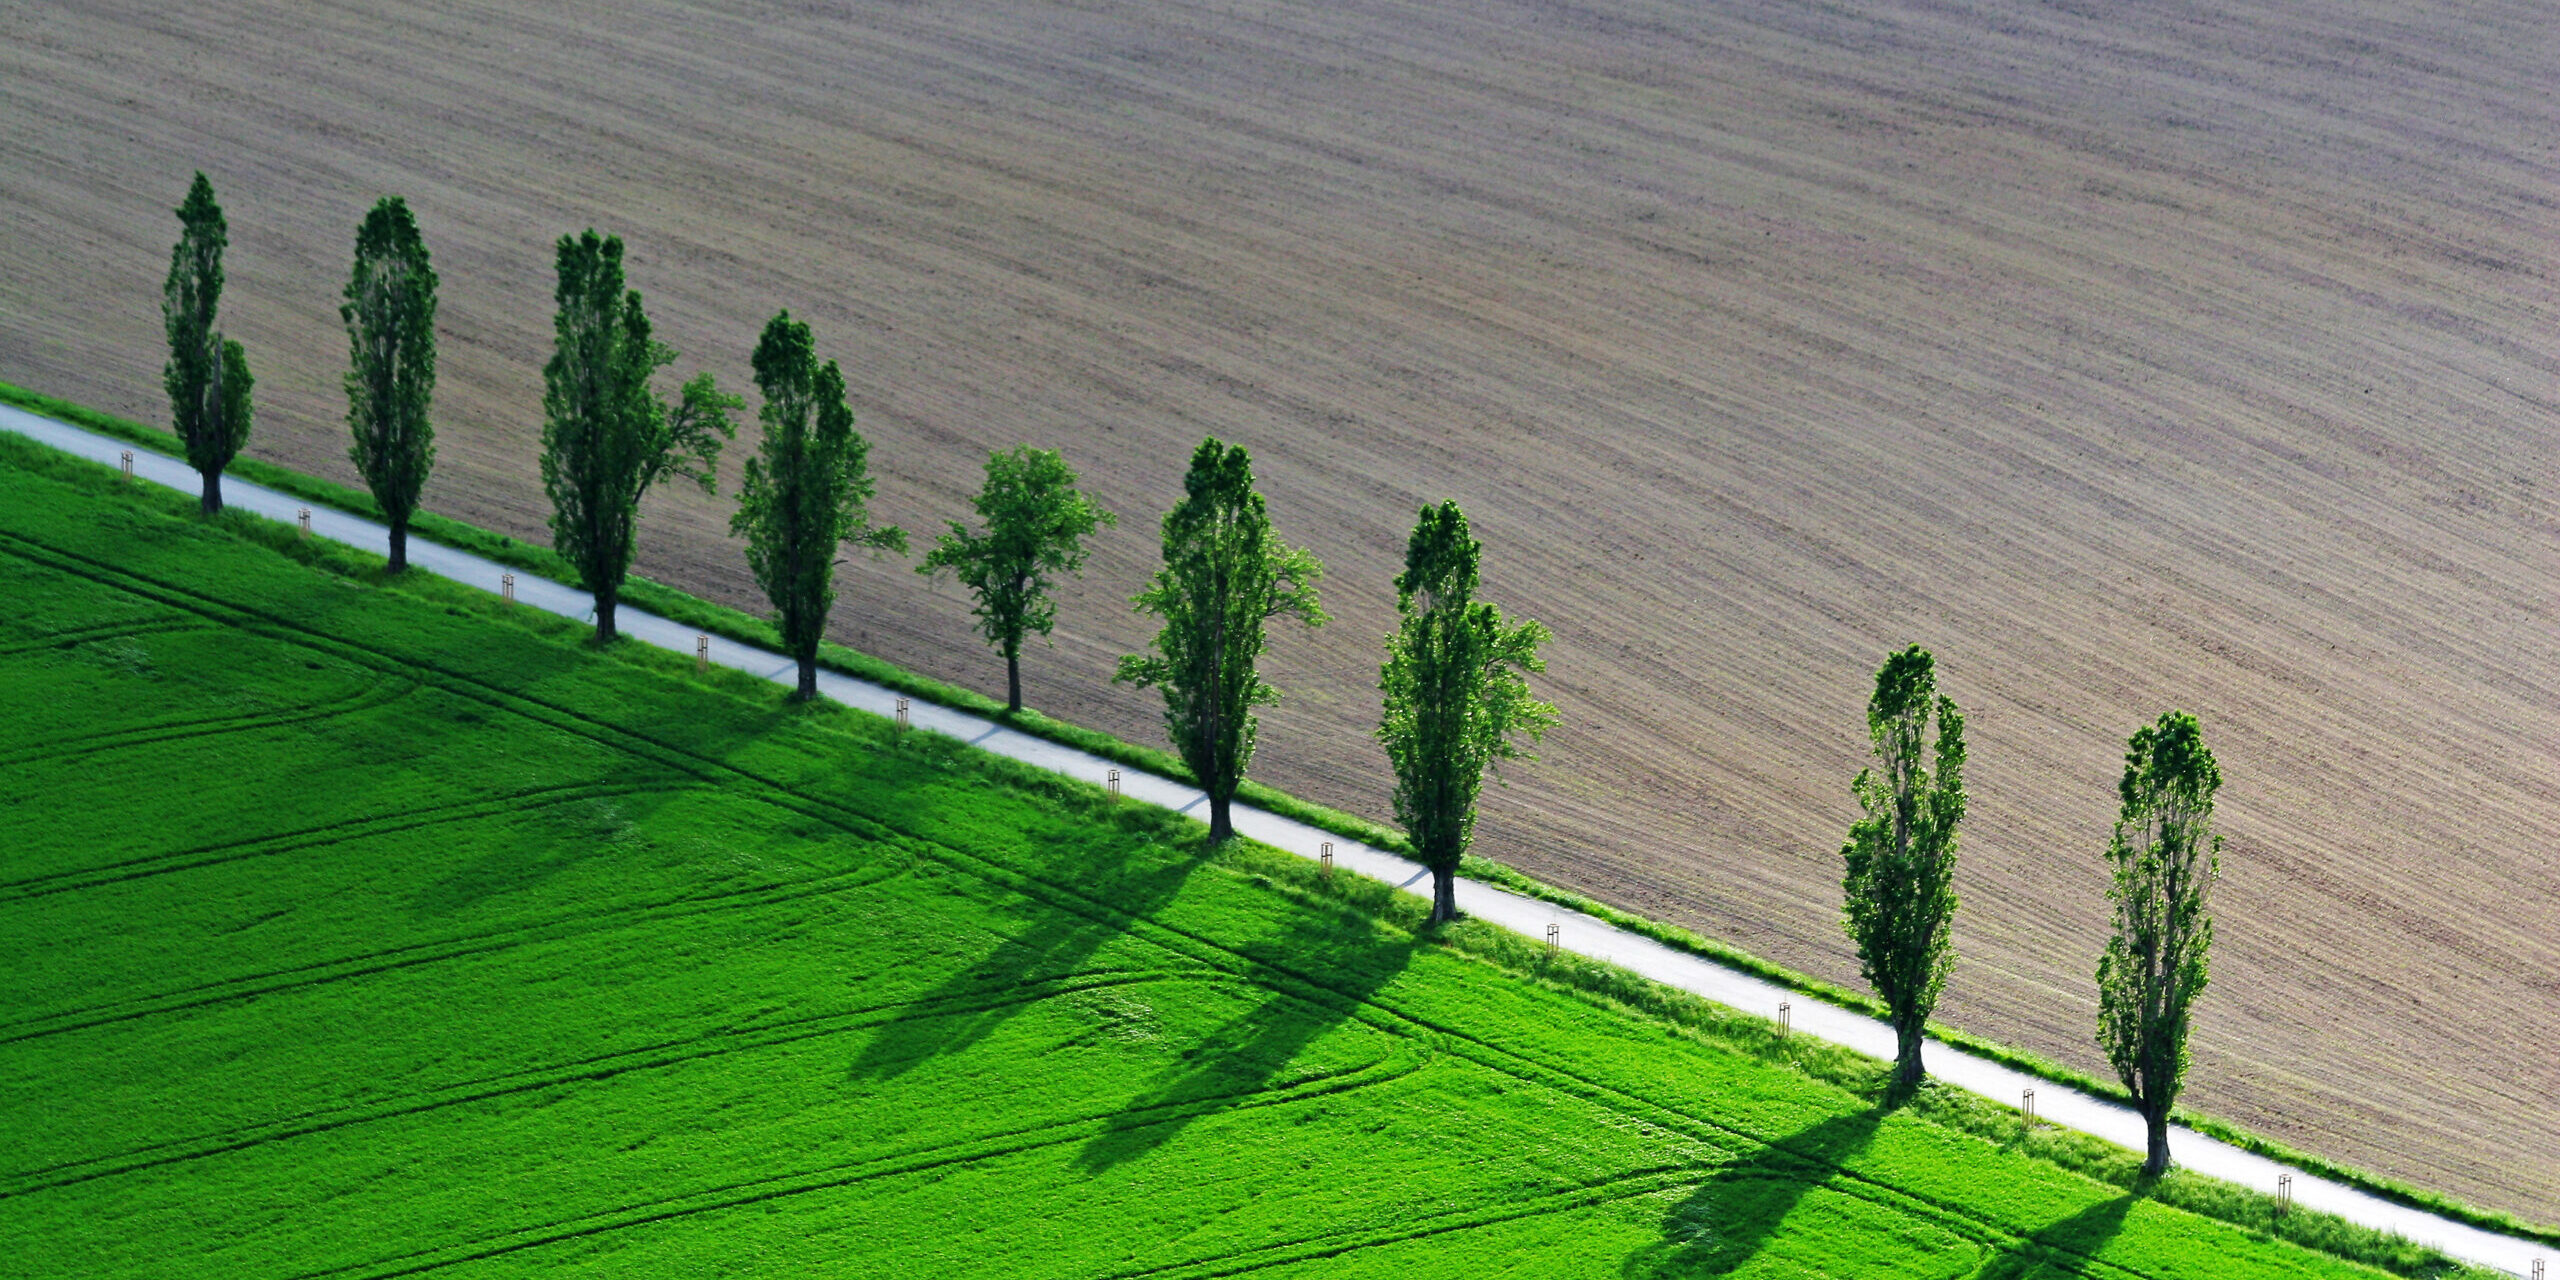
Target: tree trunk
{"points": [[1444, 895], [211, 503], [399, 545], [1222, 827], [1908, 1071], [605, 601], [808, 689], [2157, 1122], [1012, 683]]}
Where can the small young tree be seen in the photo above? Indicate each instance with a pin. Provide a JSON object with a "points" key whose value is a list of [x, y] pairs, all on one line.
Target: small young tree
{"points": [[207, 374], [1225, 575], [808, 493], [1898, 898], [2166, 856], [606, 437], [1037, 522], [390, 313], [1456, 700]]}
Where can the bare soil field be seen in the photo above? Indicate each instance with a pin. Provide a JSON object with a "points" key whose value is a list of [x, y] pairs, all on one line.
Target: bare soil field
{"points": [[2130, 356]]}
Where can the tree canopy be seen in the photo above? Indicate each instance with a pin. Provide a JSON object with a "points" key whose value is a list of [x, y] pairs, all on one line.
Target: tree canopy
{"points": [[2165, 855], [207, 375], [606, 436], [1457, 699], [390, 314], [1036, 522], [808, 492], [1898, 896], [1225, 576]]}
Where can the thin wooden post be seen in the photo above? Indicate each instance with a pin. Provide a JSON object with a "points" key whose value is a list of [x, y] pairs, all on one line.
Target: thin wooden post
{"points": [[904, 721], [1111, 780], [1555, 938], [127, 459], [2027, 1107], [1786, 1018], [2537, 1269], [2284, 1194], [1325, 860], [507, 586], [701, 654], [303, 517]]}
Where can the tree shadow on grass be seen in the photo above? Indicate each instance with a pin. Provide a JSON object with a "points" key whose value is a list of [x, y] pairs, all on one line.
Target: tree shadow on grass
{"points": [[2064, 1249], [969, 1005], [1731, 1218], [1325, 970]]}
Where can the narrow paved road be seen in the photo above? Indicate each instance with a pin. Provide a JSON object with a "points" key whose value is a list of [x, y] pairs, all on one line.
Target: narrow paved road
{"points": [[1577, 932]]}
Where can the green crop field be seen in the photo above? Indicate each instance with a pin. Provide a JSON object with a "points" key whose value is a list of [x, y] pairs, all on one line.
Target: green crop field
{"points": [[349, 931]]}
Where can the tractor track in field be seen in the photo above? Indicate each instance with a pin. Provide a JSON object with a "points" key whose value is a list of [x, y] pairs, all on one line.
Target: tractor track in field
{"points": [[77, 636], [1279, 978], [220, 854], [222, 851], [717, 1042], [379, 694]]}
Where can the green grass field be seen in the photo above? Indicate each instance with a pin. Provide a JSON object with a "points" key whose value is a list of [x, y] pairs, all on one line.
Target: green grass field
{"points": [[350, 932]]}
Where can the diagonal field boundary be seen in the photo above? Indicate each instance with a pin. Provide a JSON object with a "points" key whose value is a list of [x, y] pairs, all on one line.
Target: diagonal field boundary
{"points": [[1574, 931]]}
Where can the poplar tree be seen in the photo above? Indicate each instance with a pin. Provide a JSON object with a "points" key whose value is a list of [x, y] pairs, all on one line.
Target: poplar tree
{"points": [[1036, 524], [390, 314], [207, 374], [809, 492], [606, 437], [1225, 576], [1898, 898], [1456, 698], [2166, 856]]}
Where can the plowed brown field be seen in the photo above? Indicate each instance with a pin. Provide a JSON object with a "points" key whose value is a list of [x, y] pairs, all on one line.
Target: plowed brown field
{"points": [[2131, 356]]}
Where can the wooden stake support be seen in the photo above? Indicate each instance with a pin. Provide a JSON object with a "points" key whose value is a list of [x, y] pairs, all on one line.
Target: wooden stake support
{"points": [[303, 517], [1786, 1017], [2537, 1269], [905, 721], [701, 654], [127, 459], [1555, 938], [1325, 859], [2284, 1193], [2027, 1107], [507, 586]]}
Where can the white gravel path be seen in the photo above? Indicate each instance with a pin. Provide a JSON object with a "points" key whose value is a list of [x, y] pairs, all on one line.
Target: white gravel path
{"points": [[2055, 1103]]}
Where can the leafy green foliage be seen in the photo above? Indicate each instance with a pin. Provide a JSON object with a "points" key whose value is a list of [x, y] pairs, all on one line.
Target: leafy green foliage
{"points": [[2165, 856], [606, 436], [1036, 523], [634, 974], [390, 314], [1225, 576], [1898, 899], [207, 375], [1457, 702], [808, 493]]}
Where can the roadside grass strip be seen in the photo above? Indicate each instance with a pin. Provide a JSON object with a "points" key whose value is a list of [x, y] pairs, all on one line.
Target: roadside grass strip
{"points": [[349, 933]]}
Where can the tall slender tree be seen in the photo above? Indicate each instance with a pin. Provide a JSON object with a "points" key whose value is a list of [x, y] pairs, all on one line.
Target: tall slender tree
{"points": [[606, 436], [1457, 701], [808, 493], [1036, 524], [390, 314], [1899, 898], [207, 374], [2166, 856], [1225, 576]]}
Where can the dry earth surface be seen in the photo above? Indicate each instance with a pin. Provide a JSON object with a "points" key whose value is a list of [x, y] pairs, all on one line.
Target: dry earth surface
{"points": [[2131, 356]]}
